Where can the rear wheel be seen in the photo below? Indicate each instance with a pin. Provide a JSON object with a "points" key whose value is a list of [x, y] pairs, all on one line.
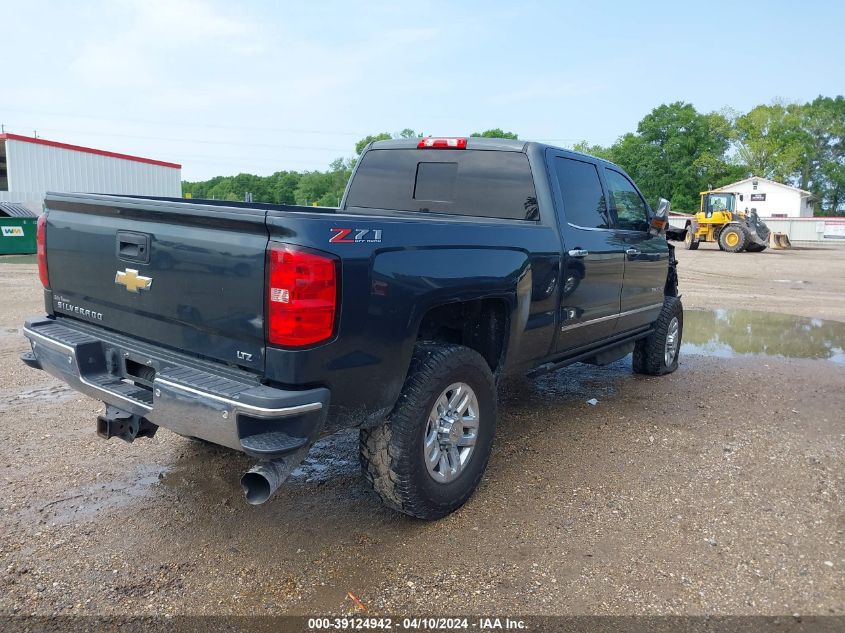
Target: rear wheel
{"points": [[428, 457], [733, 238], [690, 241], [657, 354]]}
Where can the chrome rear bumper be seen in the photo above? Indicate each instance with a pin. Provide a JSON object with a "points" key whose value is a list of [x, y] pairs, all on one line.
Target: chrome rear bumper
{"points": [[185, 395]]}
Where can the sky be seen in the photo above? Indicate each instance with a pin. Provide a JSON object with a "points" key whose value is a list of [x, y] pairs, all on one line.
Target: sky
{"points": [[258, 87]]}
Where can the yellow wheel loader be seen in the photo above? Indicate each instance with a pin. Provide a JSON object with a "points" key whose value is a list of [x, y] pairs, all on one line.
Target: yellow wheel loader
{"points": [[719, 220]]}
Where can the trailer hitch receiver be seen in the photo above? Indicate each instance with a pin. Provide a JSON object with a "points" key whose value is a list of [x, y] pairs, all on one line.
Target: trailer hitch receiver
{"points": [[127, 426]]}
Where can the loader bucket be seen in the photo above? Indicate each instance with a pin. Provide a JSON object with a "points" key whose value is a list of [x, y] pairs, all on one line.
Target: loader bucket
{"points": [[758, 231], [779, 240]]}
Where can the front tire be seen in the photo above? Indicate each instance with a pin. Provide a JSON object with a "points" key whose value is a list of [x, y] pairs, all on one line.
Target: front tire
{"points": [[733, 238], [657, 354], [690, 241], [428, 457]]}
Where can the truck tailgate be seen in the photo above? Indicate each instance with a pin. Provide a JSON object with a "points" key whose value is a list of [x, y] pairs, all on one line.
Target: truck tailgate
{"points": [[187, 276]]}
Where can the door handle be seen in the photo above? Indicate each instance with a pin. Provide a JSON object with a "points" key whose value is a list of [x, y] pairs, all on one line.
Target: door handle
{"points": [[578, 252], [633, 252]]}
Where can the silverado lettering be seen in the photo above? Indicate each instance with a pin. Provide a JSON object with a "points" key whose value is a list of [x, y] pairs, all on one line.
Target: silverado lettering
{"points": [[67, 307]]}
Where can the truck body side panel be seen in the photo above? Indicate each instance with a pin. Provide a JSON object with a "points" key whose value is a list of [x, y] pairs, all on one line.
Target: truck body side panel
{"points": [[388, 286]]}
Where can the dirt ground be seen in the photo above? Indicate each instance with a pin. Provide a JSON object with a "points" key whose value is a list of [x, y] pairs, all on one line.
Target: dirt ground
{"points": [[804, 281], [718, 489]]}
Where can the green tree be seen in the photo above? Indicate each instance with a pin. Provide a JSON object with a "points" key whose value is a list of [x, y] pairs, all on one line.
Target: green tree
{"points": [[312, 187], [830, 191], [798, 144], [495, 133], [360, 145], [677, 152], [283, 186], [823, 168], [593, 150], [771, 142]]}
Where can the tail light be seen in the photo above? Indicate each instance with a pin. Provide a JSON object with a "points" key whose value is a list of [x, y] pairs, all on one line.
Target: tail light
{"points": [[41, 249], [301, 296], [442, 143]]}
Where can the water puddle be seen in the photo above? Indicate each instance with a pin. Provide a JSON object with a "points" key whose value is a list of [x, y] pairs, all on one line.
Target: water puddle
{"points": [[200, 471], [735, 333], [331, 457], [86, 502]]}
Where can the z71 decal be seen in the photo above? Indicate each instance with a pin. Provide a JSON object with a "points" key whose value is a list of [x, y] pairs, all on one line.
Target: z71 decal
{"points": [[355, 236]]}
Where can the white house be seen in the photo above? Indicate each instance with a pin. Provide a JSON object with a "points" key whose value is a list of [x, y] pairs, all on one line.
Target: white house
{"points": [[771, 199]]}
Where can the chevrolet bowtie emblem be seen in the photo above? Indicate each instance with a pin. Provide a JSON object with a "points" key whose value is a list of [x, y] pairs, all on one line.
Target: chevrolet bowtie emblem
{"points": [[132, 280]]}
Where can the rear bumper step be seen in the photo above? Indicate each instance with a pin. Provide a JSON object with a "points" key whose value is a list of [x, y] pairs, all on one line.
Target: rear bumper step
{"points": [[230, 410]]}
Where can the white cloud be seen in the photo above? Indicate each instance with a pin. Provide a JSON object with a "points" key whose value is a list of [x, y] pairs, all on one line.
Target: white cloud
{"points": [[183, 20], [145, 40]]}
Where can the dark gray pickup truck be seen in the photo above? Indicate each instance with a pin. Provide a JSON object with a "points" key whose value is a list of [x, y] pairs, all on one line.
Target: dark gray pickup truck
{"points": [[449, 263]]}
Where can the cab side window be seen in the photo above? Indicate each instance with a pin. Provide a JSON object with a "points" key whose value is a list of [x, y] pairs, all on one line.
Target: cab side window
{"points": [[631, 209], [583, 199]]}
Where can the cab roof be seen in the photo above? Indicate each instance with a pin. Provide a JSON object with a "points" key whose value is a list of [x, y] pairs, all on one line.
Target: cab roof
{"points": [[473, 142], [483, 143]]}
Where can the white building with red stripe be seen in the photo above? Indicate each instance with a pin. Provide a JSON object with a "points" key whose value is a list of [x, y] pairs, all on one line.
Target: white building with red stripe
{"points": [[29, 167]]}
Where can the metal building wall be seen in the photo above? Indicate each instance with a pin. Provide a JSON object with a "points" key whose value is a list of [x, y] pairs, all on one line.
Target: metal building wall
{"points": [[818, 229], [36, 169]]}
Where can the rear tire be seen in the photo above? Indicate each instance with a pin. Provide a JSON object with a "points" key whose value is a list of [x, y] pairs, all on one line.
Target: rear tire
{"points": [[652, 354], [733, 238], [396, 455], [690, 242]]}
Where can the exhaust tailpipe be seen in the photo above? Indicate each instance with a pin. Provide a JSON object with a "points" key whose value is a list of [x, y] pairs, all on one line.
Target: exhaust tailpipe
{"points": [[263, 479]]}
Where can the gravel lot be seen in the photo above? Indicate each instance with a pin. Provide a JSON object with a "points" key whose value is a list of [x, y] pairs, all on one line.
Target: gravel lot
{"points": [[718, 489]]}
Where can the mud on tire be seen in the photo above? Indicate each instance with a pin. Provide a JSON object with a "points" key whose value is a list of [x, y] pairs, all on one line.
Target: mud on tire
{"points": [[650, 352], [392, 455]]}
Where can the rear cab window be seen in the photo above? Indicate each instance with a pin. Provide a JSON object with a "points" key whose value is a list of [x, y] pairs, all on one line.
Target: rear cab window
{"points": [[478, 183]]}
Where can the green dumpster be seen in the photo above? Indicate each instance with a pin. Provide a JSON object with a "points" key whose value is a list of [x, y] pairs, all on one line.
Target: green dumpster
{"points": [[17, 235]]}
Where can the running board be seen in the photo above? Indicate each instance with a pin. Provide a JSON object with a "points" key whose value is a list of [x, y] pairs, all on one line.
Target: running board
{"points": [[627, 337]]}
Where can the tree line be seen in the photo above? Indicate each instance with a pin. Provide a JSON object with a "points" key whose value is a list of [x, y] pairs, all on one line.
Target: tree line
{"points": [[675, 152], [320, 188]]}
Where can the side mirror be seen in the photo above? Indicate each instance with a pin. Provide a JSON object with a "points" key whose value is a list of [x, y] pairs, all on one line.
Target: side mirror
{"points": [[660, 218]]}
